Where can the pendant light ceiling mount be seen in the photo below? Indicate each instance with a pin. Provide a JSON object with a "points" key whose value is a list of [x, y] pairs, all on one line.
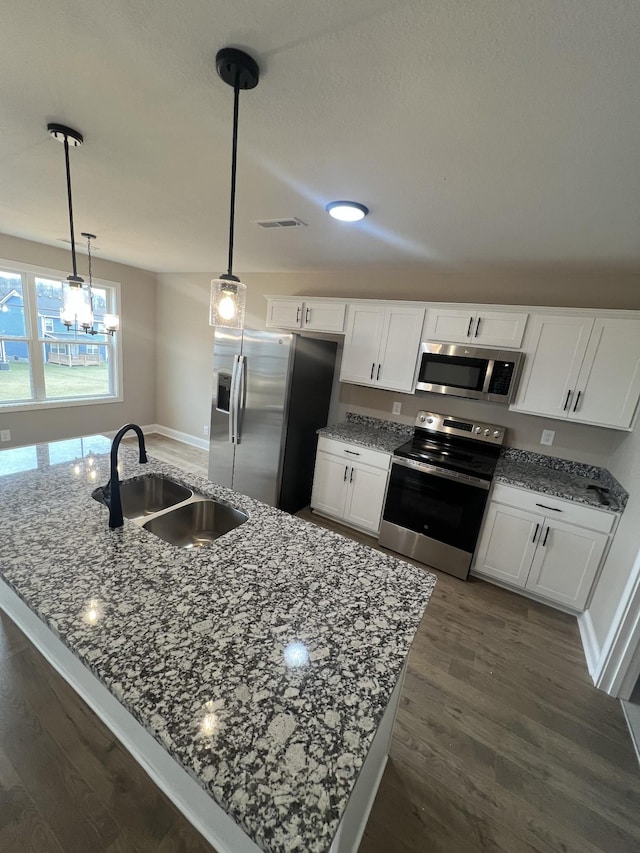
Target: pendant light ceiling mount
{"points": [[228, 294], [237, 68]]}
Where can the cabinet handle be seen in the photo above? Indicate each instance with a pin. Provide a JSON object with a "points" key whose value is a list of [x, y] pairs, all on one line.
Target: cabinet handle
{"points": [[546, 536], [566, 402], [306, 315], [346, 468], [298, 313], [544, 506], [352, 452], [378, 373], [535, 533], [351, 477], [477, 327], [575, 405], [373, 367], [469, 327]]}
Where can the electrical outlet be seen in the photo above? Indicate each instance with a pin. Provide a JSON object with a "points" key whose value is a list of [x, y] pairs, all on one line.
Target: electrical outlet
{"points": [[396, 408], [5, 435], [205, 430], [547, 436]]}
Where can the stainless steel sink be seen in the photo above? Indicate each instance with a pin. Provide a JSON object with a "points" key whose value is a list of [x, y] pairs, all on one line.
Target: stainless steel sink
{"points": [[196, 523], [150, 494]]}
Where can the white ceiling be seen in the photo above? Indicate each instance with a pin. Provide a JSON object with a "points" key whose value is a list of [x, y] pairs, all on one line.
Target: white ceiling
{"points": [[484, 132]]}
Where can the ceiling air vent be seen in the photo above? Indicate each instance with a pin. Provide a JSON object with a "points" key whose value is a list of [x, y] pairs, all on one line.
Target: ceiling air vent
{"points": [[291, 222]]}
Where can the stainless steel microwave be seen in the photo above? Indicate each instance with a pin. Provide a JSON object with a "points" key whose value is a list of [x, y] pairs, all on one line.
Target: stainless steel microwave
{"points": [[475, 372]]}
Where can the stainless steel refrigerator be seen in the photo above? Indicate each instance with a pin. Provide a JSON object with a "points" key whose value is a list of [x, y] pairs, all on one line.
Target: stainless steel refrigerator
{"points": [[271, 392]]}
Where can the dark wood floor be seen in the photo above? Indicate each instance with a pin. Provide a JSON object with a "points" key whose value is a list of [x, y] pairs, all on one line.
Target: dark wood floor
{"points": [[501, 744]]}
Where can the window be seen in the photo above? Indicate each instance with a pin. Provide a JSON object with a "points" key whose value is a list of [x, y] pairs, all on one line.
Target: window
{"points": [[42, 363]]}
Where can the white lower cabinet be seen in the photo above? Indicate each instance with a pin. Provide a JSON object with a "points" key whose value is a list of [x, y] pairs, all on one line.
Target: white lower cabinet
{"points": [[534, 551], [349, 483]]}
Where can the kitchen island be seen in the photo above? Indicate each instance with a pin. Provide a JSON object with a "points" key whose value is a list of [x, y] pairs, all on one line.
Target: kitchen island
{"points": [[261, 671]]}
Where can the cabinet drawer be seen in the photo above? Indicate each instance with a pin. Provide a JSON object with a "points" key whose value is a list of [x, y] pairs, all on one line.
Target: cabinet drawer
{"points": [[355, 453], [556, 508]]}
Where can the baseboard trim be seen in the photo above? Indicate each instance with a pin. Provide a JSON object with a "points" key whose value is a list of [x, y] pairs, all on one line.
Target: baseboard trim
{"points": [[187, 438], [592, 651]]}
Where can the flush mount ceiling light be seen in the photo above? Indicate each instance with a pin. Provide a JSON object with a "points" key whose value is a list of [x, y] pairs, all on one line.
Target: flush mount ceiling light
{"points": [[76, 304], [347, 211], [228, 294]]}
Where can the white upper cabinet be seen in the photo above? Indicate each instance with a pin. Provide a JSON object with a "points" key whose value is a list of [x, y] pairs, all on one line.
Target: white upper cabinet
{"points": [[581, 369], [555, 347], [381, 345], [608, 387], [476, 326], [308, 314]]}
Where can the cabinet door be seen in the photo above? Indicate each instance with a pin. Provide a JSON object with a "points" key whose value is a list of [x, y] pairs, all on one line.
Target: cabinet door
{"points": [[365, 497], [399, 348], [555, 349], [507, 543], [565, 563], [361, 344], [450, 324], [499, 329], [330, 484], [609, 382], [284, 314], [324, 316]]}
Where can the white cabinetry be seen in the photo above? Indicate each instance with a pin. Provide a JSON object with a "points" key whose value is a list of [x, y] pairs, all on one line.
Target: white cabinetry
{"points": [[312, 315], [548, 547], [349, 483], [381, 345], [582, 369], [476, 326]]}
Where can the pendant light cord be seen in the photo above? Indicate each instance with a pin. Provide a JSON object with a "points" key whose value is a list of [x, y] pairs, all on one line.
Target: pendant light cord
{"points": [[73, 241], [234, 157]]}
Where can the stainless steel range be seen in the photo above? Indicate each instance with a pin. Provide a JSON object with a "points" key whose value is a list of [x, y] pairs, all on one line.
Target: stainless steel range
{"points": [[438, 490]]}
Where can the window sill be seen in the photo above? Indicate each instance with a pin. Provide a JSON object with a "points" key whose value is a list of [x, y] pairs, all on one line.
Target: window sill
{"points": [[39, 405]]}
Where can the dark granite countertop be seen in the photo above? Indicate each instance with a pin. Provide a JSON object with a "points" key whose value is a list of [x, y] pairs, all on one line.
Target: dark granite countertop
{"points": [[535, 471], [560, 478], [262, 662], [369, 432]]}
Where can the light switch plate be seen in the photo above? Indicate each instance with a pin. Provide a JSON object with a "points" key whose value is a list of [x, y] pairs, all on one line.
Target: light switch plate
{"points": [[205, 430], [396, 408], [5, 435], [547, 436]]}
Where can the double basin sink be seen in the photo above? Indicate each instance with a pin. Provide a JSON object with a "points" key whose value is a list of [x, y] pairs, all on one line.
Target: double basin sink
{"points": [[175, 513]]}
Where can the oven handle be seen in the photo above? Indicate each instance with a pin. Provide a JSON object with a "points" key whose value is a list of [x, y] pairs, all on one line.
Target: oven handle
{"points": [[441, 472]]}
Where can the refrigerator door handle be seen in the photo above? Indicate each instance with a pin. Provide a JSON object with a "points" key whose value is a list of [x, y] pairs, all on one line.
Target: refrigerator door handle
{"points": [[241, 395], [232, 401]]}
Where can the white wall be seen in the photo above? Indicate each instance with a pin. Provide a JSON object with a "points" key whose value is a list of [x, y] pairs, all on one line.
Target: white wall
{"points": [[138, 319], [624, 464]]}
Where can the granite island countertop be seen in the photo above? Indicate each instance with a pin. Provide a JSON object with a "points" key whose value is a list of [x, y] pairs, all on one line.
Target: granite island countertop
{"points": [[291, 636]]}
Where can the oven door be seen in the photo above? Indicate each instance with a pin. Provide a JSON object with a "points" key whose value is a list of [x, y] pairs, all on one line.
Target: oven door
{"points": [[433, 515]]}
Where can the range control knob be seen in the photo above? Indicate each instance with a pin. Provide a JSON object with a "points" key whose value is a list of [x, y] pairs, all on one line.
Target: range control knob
{"points": [[478, 430], [496, 433], [422, 419], [487, 432], [429, 420]]}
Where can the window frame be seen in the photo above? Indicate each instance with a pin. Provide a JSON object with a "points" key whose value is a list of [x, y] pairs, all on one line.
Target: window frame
{"points": [[34, 339]]}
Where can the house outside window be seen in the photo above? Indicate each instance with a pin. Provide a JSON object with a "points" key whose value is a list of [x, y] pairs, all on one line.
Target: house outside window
{"points": [[44, 364]]}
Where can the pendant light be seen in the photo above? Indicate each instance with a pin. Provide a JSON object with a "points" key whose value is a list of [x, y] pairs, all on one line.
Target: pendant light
{"points": [[76, 306], [111, 322], [228, 294]]}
